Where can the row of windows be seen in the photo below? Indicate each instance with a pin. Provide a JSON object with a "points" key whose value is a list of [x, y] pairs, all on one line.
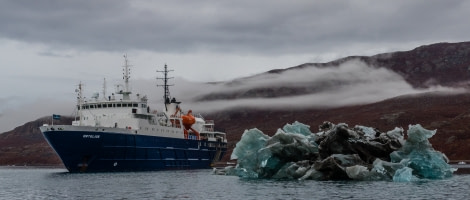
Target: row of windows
{"points": [[111, 105], [162, 130]]}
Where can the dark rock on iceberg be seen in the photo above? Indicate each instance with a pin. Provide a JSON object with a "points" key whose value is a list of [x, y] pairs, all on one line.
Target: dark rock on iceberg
{"points": [[338, 152], [334, 166]]}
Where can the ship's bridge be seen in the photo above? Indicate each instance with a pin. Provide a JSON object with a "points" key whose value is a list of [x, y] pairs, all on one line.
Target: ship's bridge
{"points": [[137, 106], [117, 114]]}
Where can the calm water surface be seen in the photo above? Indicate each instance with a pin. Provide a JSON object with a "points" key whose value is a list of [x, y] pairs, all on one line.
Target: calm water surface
{"points": [[40, 183]]}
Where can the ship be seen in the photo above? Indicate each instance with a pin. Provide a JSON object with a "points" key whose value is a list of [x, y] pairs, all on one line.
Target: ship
{"points": [[121, 132]]}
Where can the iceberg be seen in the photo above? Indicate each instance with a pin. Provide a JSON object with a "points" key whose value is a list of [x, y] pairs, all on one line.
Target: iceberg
{"points": [[417, 154], [338, 152], [248, 154]]}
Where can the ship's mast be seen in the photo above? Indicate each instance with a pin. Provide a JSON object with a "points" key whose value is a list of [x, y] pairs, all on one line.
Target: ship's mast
{"points": [[80, 101], [126, 75], [166, 95], [104, 89]]}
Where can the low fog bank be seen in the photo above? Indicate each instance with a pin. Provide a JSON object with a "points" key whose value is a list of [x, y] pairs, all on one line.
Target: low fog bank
{"points": [[351, 83], [13, 117]]}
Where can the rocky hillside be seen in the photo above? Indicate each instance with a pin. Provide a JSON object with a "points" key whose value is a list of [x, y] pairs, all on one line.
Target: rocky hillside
{"points": [[448, 113], [444, 64], [25, 145]]}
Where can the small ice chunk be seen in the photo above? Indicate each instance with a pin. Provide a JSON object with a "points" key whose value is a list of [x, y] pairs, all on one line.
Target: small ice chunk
{"points": [[403, 175], [369, 132]]}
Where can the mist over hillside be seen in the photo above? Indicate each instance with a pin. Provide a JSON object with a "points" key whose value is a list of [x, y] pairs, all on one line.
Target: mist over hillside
{"points": [[352, 80]]}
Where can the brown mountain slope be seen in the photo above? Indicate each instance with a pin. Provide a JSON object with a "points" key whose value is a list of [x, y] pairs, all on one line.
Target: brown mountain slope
{"points": [[25, 145], [448, 113], [445, 64]]}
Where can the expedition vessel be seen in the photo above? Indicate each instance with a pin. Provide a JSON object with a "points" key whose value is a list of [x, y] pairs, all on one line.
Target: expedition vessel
{"points": [[124, 134]]}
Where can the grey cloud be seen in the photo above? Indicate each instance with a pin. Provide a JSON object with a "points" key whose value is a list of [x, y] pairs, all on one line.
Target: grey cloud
{"points": [[54, 54], [243, 27]]}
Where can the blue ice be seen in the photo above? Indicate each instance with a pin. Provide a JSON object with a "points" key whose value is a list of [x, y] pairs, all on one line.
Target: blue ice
{"points": [[293, 152]]}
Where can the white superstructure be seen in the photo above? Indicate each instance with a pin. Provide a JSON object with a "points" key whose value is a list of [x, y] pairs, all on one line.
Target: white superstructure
{"points": [[133, 115]]}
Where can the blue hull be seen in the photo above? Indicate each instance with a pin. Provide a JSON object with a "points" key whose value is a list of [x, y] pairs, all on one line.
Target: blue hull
{"points": [[103, 151]]}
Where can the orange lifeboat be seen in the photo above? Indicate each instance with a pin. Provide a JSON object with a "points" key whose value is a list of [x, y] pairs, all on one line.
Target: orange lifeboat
{"points": [[188, 120]]}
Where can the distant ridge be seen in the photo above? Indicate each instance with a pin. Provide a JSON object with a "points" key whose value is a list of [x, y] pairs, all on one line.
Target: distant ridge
{"points": [[447, 64], [443, 64], [26, 146]]}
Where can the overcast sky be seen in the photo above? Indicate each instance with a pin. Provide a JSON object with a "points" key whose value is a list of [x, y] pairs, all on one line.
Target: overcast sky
{"points": [[48, 46]]}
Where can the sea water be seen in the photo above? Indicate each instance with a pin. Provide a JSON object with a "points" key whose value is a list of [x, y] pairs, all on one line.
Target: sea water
{"points": [[56, 183]]}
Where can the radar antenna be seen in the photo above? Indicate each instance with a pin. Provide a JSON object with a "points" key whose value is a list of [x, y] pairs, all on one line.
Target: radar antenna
{"points": [[126, 75], [166, 96], [80, 101], [104, 89]]}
